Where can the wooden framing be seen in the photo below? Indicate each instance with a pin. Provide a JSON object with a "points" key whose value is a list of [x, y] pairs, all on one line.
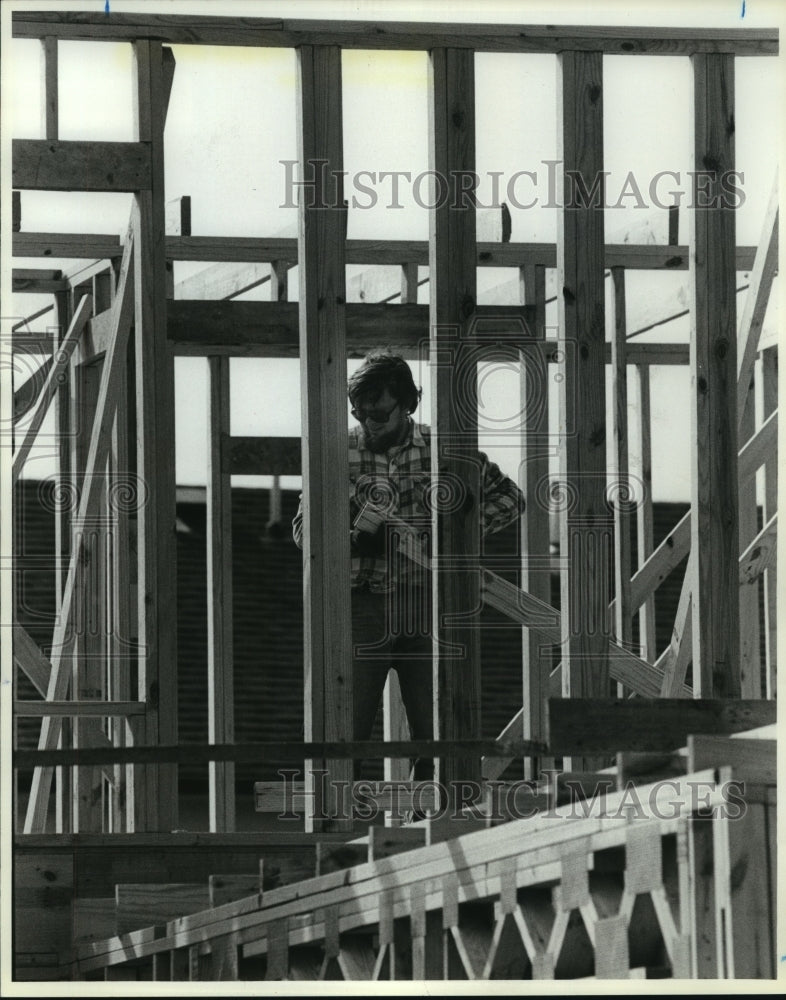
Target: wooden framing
{"points": [[155, 376], [123, 778], [454, 470], [321, 234], [714, 525], [585, 530], [220, 686]]}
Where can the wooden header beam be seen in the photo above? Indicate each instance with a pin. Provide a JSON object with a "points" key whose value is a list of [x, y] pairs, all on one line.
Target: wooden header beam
{"points": [[291, 33], [269, 249], [55, 165]]}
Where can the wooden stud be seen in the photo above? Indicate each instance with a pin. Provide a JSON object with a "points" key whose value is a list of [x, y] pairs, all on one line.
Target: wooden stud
{"points": [[680, 650], [534, 459], [750, 637], [622, 497], [395, 727], [765, 268], [322, 232], [49, 87], [769, 388], [409, 283], [585, 529], [157, 798], [714, 499], [454, 433], [644, 518], [220, 672]]}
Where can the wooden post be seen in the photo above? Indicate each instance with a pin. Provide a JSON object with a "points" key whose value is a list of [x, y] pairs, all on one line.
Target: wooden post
{"points": [[157, 605], [750, 637], [89, 680], [220, 690], [120, 641], [623, 625], [454, 432], [769, 392], [533, 471], [323, 370], [714, 521], [644, 520], [585, 528], [63, 512], [49, 87]]}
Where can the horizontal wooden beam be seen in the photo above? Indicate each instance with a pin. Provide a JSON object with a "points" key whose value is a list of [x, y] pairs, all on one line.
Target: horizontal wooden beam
{"points": [[291, 33], [606, 725], [111, 844], [270, 329], [43, 165], [78, 709], [69, 245], [287, 750], [265, 250]]}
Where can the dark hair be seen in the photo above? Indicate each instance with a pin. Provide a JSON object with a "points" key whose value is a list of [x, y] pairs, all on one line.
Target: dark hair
{"points": [[381, 371]]}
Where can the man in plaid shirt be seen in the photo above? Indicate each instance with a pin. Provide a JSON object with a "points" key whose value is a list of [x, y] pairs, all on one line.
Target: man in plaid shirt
{"points": [[390, 493]]}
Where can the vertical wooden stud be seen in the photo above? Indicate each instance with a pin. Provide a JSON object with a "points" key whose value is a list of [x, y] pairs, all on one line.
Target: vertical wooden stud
{"points": [[157, 604], [323, 361], [585, 528], [714, 516], [220, 673], [454, 432]]}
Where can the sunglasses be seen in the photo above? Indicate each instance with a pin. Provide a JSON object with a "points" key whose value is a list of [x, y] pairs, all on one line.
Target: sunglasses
{"points": [[375, 416]]}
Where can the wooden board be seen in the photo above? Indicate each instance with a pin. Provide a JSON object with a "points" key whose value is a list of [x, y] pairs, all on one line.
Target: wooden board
{"points": [[714, 489], [202, 30], [44, 165], [585, 528], [607, 725], [455, 529], [141, 905]]}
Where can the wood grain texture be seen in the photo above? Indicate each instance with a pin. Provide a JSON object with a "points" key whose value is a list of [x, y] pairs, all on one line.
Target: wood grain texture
{"points": [[623, 622], [57, 165], [765, 268], [585, 527], [644, 514], [455, 527], [49, 87], [607, 725], [203, 30], [157, 601], [323, 372], [769, 387], [714, 492], [220, 654], [533, 467]]}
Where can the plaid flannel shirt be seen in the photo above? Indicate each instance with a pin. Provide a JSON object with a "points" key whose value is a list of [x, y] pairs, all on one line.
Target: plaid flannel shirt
{"points": [[397, 482]]}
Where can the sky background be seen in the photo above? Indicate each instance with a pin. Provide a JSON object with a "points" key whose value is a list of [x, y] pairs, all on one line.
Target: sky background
{"points": [[231, 123]]}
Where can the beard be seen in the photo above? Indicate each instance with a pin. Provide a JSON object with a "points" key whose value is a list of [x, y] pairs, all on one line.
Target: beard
{"points": [[381, 441]]}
